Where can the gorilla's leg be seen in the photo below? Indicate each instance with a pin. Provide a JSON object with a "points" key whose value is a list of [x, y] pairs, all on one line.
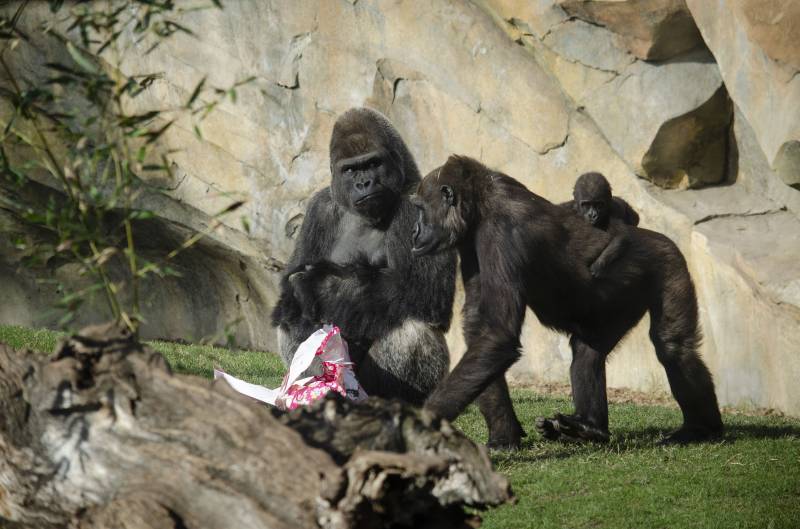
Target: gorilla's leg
{"points": [[588, 379], [675, 335], [505, 430], [407, 363], [587, 375]]}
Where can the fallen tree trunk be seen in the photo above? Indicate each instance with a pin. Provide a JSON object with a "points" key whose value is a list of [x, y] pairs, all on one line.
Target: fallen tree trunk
{"points": [[103, 435]]}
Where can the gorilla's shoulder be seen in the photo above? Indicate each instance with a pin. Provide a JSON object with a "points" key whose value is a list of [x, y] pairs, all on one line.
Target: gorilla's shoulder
{"points": [[321, 198], [321, 204], [406, 213]]}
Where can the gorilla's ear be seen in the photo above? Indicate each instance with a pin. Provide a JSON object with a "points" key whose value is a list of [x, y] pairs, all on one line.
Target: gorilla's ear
{"points": [[448, 195]]}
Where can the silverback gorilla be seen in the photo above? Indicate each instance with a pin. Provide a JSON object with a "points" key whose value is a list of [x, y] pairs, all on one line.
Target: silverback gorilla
{"points": [[593, 202], [518, 249], [352, 266]]}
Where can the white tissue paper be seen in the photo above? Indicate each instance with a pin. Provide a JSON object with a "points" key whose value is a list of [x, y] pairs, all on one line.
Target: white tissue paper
{"points": [[325, 354]]}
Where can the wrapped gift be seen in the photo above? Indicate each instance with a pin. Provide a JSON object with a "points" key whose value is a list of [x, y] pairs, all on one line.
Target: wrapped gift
{"points": [[324, 364]]}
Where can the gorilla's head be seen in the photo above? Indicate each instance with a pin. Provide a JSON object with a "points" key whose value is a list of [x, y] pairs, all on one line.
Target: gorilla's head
{"points": [[371, 166], [445, 203], [592, 196]]}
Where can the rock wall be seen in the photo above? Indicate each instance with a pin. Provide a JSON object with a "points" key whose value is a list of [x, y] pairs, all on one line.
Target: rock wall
{"points": [[690, 109]]}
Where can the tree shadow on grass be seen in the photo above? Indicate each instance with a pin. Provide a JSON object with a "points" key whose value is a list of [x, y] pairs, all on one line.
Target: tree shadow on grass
{"points": [[735, 432], [535, 449]]}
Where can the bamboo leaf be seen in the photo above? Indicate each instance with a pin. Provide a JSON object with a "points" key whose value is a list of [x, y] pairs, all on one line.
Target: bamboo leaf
{"points": [[153, 136], [142, 214], [196, 92], [81, 59]]}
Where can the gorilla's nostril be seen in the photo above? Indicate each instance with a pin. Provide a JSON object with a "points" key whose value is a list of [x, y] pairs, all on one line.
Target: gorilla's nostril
{"points": [[363, 185]]}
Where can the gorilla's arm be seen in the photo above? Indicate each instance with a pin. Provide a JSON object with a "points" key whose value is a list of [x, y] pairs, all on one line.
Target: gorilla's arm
{"points": [[624, 212], [367, 301], [314, 242], [620, 241], [494, 310], [622, 216], [568, 205]]}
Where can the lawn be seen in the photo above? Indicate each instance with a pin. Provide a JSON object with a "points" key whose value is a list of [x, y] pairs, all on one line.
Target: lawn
{"points": [[751, 478]]}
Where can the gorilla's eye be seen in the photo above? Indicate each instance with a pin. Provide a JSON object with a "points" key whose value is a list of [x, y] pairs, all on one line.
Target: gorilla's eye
{"points": [[348, 170]]}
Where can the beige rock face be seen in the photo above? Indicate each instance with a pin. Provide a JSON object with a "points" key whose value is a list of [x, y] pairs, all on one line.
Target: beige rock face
{"points": [[669, 122], [773, 27], [526, 88], [755, 45], [651, 29]]}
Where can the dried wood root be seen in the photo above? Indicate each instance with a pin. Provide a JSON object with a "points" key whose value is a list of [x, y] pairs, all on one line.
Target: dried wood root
{"points": [[102, 434]]}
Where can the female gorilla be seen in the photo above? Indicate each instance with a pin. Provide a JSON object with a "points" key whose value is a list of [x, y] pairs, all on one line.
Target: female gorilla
{"points": [[352, 266], [517, 250]]}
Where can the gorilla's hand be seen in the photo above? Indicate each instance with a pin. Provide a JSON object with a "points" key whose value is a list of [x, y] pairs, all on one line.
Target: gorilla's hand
{"points": [[598, 268], [302, 281], [310, 284], [319, 288]]}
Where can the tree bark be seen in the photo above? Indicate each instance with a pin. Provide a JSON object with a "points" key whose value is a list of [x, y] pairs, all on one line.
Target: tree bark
{"points": [[101, 434]]}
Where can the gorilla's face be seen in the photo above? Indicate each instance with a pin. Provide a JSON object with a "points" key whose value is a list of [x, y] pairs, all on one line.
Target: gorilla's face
{"points": [[442, 211], [592, 195], [594, 211], [368, 177], [371, 167], [370, 181]]}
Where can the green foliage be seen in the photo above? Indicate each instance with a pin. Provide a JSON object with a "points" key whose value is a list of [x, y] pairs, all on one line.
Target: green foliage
{"points": [[84, 135]]}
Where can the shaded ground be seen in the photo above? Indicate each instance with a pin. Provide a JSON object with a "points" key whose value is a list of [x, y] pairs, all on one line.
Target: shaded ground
{"points": [[751, 478]]}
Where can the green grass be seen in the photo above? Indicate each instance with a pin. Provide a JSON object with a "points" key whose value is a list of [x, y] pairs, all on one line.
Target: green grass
{"points": [[257, 367], [749, 479]]}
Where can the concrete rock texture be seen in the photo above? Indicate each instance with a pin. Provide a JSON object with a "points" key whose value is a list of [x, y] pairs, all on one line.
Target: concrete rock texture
{"points": [[701, 134], [755, 46], [651, 29]]}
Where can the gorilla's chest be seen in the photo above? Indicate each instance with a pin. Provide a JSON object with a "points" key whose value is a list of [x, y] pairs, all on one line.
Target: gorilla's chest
{"points": [[358, 241]]}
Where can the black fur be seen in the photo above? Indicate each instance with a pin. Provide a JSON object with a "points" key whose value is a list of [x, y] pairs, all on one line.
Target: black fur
{"points": [[517, 250], [592, 200], [352, 266]]}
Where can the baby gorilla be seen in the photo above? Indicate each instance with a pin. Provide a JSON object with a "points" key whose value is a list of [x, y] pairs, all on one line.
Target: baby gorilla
{"points": [[592, 200]]}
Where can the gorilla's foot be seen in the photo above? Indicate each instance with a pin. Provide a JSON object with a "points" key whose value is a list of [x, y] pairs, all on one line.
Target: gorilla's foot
{"points": [[504, 445], [507, 437], [692, 434], [570, 427], [547, 428]]}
